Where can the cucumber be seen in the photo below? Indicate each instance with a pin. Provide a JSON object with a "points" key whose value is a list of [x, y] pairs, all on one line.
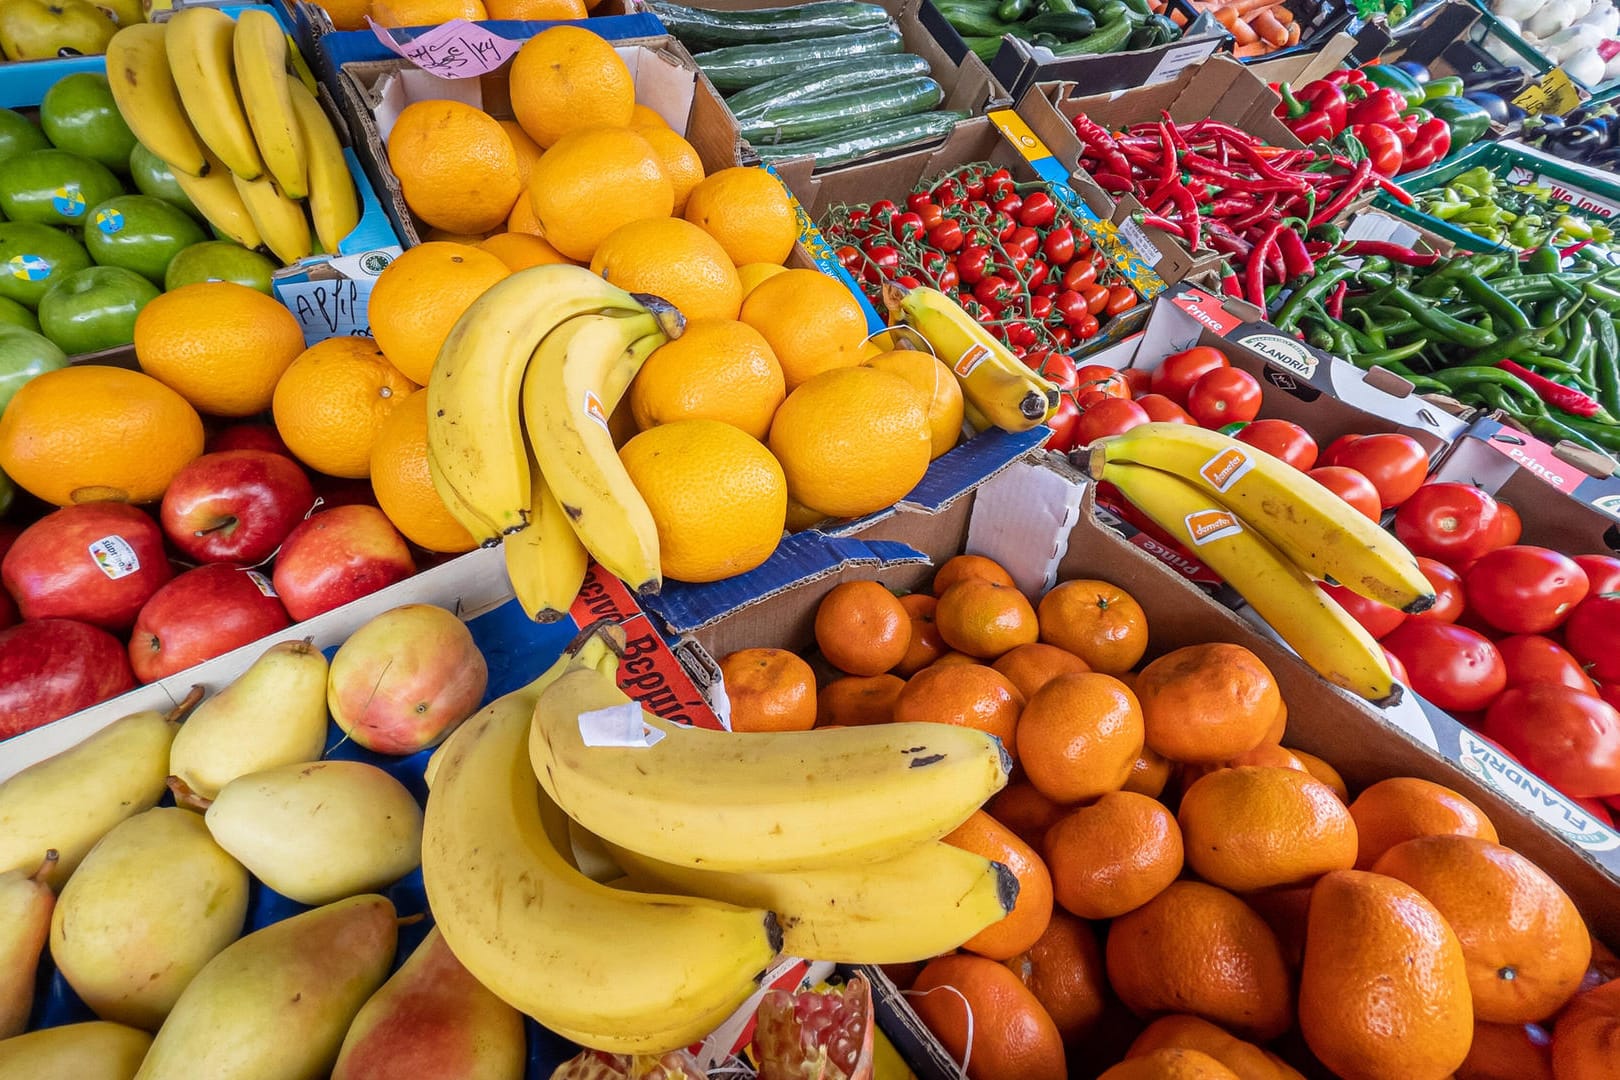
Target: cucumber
{"points": [[1062, 24], [1110, 37], [738, 67], [706, 29], [837, 112], [1013, 10], [976, 21], [875, 139], [985, 48], [826, 79]]}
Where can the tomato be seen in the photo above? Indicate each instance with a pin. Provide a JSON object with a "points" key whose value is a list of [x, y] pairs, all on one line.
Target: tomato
{"points": [[1008, 204], [974, 263], [1110, 381], [1038, 210], [885, 258], [1138, 379], [1330, 456], [1224, 396], [999, 184], [1451, 666], [1350, 486], [907, 228], [1071, 305], [946, 236], [1533, 658], [1282, 440], [1086, 327], [1059, 246], [1078, 275], [1087, 398], [1568, 738], [1396, 668], [1602, 572], [1062, 422], [1455, 523], [1396, 465], [1610, 692], [1096, 297], [815, 1033], [1161, 410], [1035, 274], [1121, 298], [1176, 375], [881, 212], [1593, 635], [1377, 619], [1510, 528], [1448, 591], [1110, 416], [1056, 368], [1524, 589]]}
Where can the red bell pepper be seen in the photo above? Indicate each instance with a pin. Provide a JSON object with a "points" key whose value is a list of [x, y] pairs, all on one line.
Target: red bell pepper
{"points": [[1318, 110], [1382, 106], [1383, 147], [1430, 143]]}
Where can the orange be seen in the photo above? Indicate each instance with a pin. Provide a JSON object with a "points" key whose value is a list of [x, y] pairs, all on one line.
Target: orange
{"points": [[718, 369], [1030, 667], [1032, 911], [858, 700], [862, 628], [1098, 622], [1170, 1064], [1246, 1060], [1586, 1041], [643, 117], [961, 997], [984, 619], [419, 297], [1279, 725], [951, 659], [851, 440], [347, 14], [1206, 704], [1255, 827], [447, 236], [748, 211], [925, 645], [1198, 949], [1064, 970], [456, 167], [936, 383], [519, 251], [970, 568], [1284, 911], [522, 219], [403, 485], [1403, 808], [527, 150], [967, 695], [1384, 988], [1113, 856], [672, 259], [395, 13], [812, 321], [1079, 736], [1328, 775], [334, 398], [681, 162], [1508, 1052], [1025, 811], [717, 496], [769, 690], [92, 433], [1266, 755], [1149, 774], [593, 180], [566, 78], [537, 10], [219, 345], [751, 274], [1524, 942]]}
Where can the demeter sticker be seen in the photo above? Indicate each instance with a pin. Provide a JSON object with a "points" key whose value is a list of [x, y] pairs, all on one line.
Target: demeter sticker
{"points": [[110, 220], [1204, 526], [29, 267], [115, 556], [68, 201], [972, 358], [594, 409], [1226, 468]]}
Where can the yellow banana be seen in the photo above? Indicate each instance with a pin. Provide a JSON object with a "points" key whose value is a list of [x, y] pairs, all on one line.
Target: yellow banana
{"points": [[1326, 638], [280, 221], [332, 199], [546, 562], [144, 90], [259, 49], [215, 194], [198, 45], [1308, 523]]}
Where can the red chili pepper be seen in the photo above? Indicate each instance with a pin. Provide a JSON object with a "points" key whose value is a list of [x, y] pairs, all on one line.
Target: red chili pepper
{"points": [[1557, 395], [1430, 143], [1335, 300], [1393, 252], [1254, 274], [1231, 286], [1297, 262], [1262, 210], [1358, 180], [1113, 182], [1187, 208]]}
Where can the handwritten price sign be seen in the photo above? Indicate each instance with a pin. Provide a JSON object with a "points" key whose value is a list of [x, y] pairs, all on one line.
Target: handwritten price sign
{"points": [[457, 49]]}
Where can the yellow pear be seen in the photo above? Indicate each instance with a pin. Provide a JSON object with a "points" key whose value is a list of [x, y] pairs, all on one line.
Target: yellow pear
{"points": [[25, 922], [93, 1051]]}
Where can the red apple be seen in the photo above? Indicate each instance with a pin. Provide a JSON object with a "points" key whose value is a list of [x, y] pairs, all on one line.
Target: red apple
{"points": [[406, 679], [201, 614], [95, 562], [52, 667], [8, 607], [339, 555], [247, 437], [235, 506]]}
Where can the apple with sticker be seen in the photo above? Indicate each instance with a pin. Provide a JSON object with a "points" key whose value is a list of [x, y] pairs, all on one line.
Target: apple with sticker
{"points": [[202, 614], [97, 563]]}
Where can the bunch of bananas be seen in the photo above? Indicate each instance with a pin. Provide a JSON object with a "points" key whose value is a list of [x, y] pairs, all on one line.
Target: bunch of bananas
{"points": [[998, 390], [1272, 533], [518, 438], [824, 844], [247, 142]]}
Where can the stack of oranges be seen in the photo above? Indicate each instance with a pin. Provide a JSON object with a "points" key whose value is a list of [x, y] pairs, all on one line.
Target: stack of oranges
{"points": [[1195, 898]]}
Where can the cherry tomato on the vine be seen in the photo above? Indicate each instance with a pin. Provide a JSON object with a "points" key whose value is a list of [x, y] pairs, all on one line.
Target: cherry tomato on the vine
{"points": [[1078, 275], [1120, 298], [916, 201], [1036, 274], [1040, 308], [1025, 239], [1038, 210], [1070, 305], [1059, 246], [1086, 327], [1096, 297], [999, 184], [946, 237], [907, 228], [973, 263], [884, 259]]}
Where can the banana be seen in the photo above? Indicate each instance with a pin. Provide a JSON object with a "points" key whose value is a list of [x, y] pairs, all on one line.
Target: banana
{"points": [[280, 221], [144, 90], [198, 45], [332, 201], [613, 970], [482, 528], [546, 562], [565, 411], [260, 52], [1007, 393], [215, 194], [1304, 616], [475, 429], [925, 902], [1307, 522], [757, 802]]}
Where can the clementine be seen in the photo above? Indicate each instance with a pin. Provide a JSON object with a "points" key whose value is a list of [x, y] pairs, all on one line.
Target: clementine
{"points": [[769, 690], [1113, 856], [1586, 1041], [862, 628], [984, 619], [1013, 1038], [1027, 921], [1403, 808], [1150, 773], [1246, 1060], [1206, 703], [1254, 827], [926, 645], [970, 567], [1508, 1052], [1079, 736], [1030, 667], [1098, 622], [1064, 970], [1025, 811], [1327, 774], [858, 700], [967, 695], [1171, 1064]]}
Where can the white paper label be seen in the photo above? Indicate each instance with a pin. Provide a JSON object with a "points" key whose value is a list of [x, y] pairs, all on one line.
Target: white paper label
{"points": [[1146, 249], [618, 725], [115, 556], [1178, 59], [261, 581]]}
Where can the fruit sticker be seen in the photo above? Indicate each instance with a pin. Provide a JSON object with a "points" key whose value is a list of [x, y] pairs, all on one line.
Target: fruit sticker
{"points": [[1204, 526], [115, 556], [1225, 468], [29, 267], [261, 581], [68, 201], [972, 358], [110, 220], [594, 409]]}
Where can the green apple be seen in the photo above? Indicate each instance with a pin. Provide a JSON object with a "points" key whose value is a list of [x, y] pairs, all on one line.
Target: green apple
{"points": [[139, 233], [153, 176], [94, 309], [80, 116], [24, 354], [220, 260], [14, 314], [53, 187], [40, 30], [35, 257], [18, 135]]}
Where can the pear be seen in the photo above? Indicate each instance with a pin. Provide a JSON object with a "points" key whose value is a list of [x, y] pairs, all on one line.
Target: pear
{"points": [[274, 714], [70, 801], [321, 831], [275, 1005], [25, 923], [152, 904], [93, 1051], [433, 1021]]}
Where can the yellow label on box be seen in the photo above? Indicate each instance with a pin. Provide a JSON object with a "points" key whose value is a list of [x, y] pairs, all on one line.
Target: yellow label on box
{"points": [[1553, 93], [1019, 134]]}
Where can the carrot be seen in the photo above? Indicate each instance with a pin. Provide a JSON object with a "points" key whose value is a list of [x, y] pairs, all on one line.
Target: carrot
{"points": [[1284, 16], [1253, 48], [1293, 33], [1244, 7], [1269, 29], [1227, 16]]}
